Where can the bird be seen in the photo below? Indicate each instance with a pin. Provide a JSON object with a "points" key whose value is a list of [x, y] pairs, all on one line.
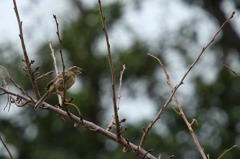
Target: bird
{"points": [[58, 85]]}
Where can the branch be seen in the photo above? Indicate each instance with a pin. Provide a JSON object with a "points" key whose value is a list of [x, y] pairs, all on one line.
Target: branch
{"points": [[112, 70], [14, 83], [120, 85], [119, 96], [28, 68], [63, 65], [149, 127], [230, 70], [44, 75], [189, 125], [226, 151], [89, 125], [55, 67], [5, 85], [54, 58], [9, 153], [60, 42]]}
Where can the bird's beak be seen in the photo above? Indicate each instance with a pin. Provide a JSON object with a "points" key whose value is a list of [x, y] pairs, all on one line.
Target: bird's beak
{"points": [[79, 71]]}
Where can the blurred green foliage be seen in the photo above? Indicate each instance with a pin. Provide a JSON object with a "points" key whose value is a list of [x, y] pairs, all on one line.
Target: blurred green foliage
{"points": [[41, 134]]}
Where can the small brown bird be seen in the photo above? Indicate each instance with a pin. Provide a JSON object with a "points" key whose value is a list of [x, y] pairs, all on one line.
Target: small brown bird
{"points": [[58, 86]]}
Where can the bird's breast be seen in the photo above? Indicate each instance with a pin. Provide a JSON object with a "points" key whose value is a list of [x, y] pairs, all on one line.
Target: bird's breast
{"points": [[66, 83]]}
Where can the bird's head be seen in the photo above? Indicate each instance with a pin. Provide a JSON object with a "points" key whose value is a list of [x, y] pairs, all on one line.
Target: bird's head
{"points": [[75, 69]]}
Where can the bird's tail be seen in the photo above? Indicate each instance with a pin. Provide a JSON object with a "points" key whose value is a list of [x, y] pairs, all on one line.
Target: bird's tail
{"points": [[41, 100]]}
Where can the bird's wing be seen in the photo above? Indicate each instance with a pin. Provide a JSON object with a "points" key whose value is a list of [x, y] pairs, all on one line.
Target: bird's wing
{"points": [[50, 83], [39, 102], [59, 79]]}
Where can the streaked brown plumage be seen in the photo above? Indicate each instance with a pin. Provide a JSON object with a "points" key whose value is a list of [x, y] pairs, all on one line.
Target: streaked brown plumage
{"points": [[57, 84]]}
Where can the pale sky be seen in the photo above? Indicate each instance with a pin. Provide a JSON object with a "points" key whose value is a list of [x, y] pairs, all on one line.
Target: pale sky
{"points": [[154, 19], [39, 25]]}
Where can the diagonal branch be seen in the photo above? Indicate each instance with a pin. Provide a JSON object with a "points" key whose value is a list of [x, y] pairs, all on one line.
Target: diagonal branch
{"points": [[63, 65], [9, 153], [181, 112], [230, 70], [60, 42], [55, 67], [89, 125], [25, 54], [14, 83], [149, 127], [112, 70], [119, 96]]}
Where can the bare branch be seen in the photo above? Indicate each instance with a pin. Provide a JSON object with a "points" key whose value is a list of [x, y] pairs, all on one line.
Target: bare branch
{"points": [[120, 85], [230, 70], [119, 96], [63, 66], [14, 83], [56, 68], [226, 151], [5, 85], [54, 58], [112, 71], [28, 67], [9, 153], [149, 127], [44, 75], [89, 125], [60, 42], [189, 125]]}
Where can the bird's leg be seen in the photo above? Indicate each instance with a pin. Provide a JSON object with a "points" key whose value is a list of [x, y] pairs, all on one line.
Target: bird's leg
{"points": [[63, 106]]}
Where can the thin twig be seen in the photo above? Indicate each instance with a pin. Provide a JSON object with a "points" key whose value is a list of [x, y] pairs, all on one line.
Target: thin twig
{"points": [[149, 127], [9, 153], [15, 84], [54, 58], [63, 66], [226, 151], [20, 88], [44, 75], [60, 41], [61, 54], [89, 125], [25, 54], [181, 112], [119, 96], [112, 71], [55, 67], [5, 85], [120, 85], [230, 70]]}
